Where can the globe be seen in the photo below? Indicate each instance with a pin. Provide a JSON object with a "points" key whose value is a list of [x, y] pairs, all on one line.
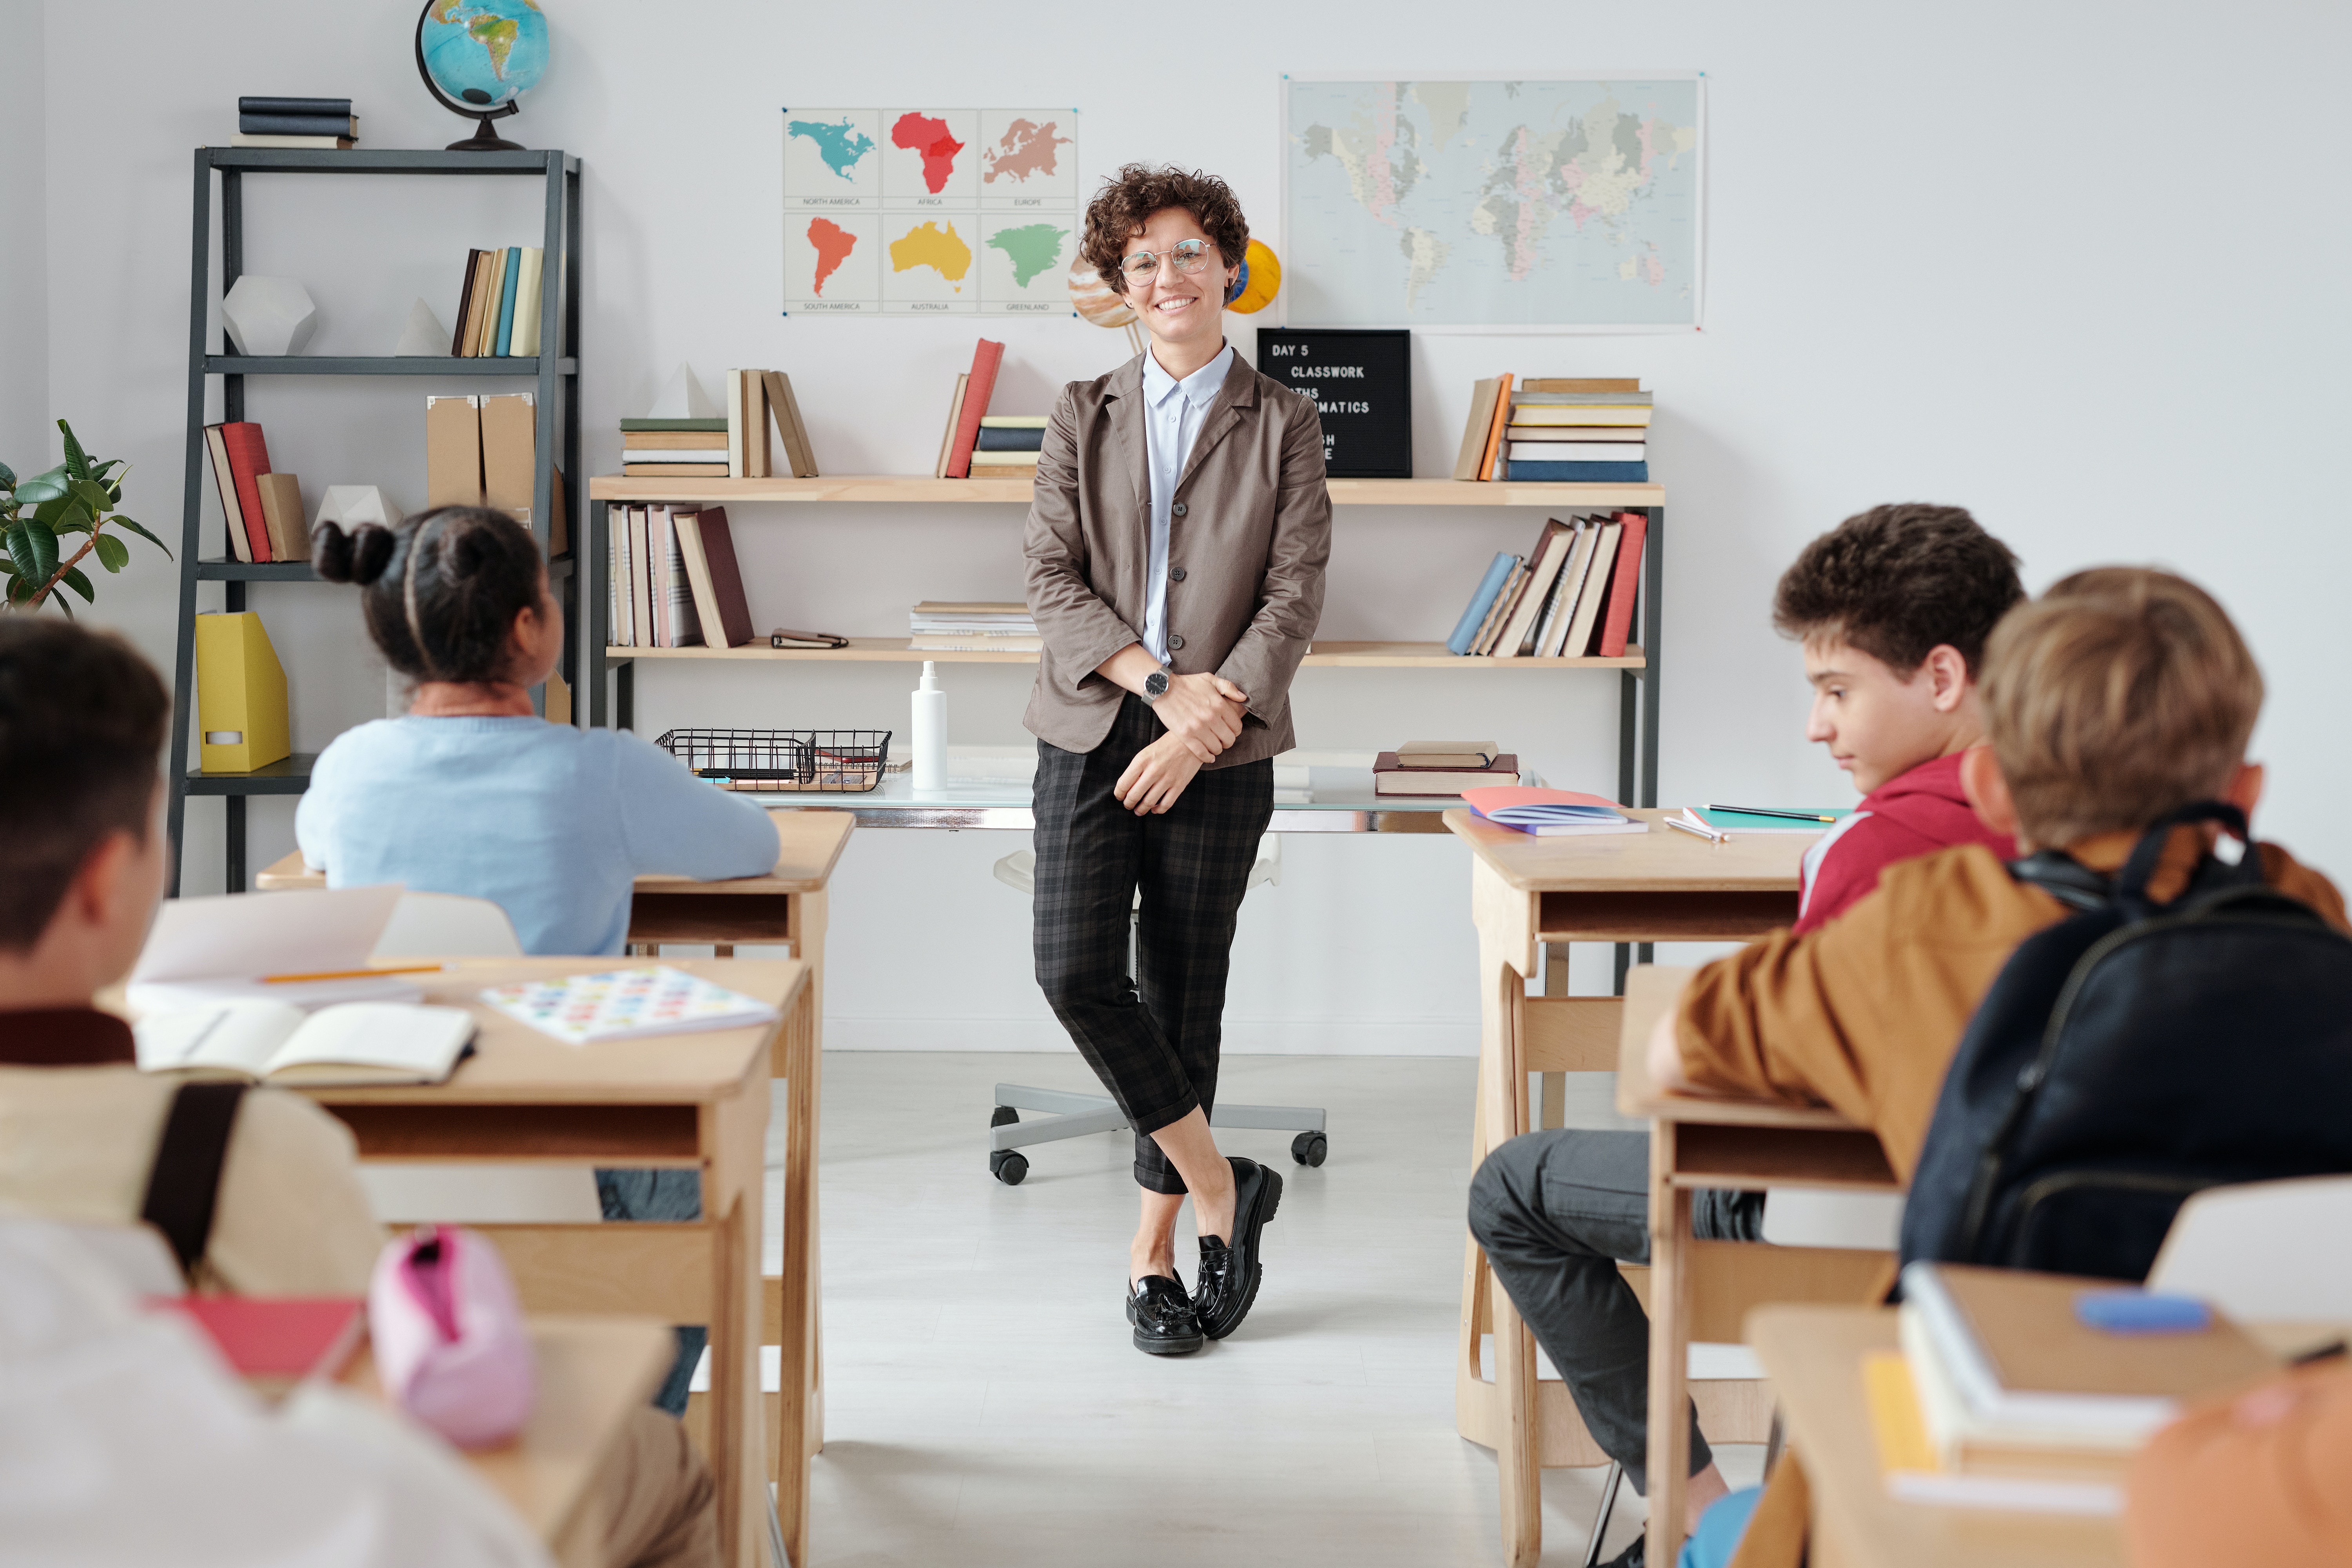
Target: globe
{"points": [[481, 54]]}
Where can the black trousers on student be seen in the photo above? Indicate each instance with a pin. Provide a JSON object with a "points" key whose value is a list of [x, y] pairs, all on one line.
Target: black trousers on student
{"points": [[1557, 1212], [1152, 1037]]}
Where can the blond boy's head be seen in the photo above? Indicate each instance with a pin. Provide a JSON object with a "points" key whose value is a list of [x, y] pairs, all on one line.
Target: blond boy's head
{"points": [[2118, 696]]}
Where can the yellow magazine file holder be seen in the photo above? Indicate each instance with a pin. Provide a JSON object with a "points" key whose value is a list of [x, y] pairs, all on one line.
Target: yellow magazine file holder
{"points": [[240, 694]]}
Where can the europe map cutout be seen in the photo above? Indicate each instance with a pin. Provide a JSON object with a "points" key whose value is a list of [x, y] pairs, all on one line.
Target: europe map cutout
{"points": [[926, 212], [1494, 204]]}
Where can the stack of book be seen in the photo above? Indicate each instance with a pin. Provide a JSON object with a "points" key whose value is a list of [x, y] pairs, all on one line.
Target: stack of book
{"points": [[1442, 768], [948, 626], [498, 304], [1007, 445], [326, 122], [262, 509], [732, 446], [1571, 596], [1589, 430], [674, 581], [2004, 1397]]}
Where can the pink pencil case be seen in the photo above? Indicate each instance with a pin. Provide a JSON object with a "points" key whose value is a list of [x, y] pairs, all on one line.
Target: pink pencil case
{"points": [[451, 1345]]}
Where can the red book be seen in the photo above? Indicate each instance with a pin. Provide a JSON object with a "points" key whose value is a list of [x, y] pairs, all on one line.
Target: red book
{"points": [[1619, 621], [248, 460], [280, 1336], [734, 629], [983, 381]]}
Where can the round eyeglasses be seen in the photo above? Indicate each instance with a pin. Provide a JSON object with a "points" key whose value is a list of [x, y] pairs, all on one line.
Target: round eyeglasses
{"points": [[1189, 255]]}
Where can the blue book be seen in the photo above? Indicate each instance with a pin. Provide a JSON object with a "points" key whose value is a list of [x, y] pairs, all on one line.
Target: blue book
{"points": [[506, 304], [992, 440], [1465, 630], [1582, 473]]}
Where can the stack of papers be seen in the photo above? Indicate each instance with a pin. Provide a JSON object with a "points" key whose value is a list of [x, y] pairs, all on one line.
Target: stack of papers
{"points": [[626, 1005], [1551, 813]]}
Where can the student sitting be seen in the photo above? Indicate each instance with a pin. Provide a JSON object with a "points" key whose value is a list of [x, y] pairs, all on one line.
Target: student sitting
{"points": [[81, 721], [1892, 607], [2254, 1478], [2119, 696], [472, 793]]}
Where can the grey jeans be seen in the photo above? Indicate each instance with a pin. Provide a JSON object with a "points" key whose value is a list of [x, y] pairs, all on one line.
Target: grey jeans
{"points": [[1557, 1212]]}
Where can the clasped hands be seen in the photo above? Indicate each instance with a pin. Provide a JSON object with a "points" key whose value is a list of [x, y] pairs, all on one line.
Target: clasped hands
{"points": [[1203, 716]]}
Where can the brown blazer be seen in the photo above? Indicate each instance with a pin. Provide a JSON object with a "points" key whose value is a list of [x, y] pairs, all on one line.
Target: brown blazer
{"points": [[1251, 541]]}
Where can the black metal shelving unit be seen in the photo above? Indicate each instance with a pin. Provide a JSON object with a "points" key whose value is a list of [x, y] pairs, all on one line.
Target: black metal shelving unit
{"points": [[558, 410]]}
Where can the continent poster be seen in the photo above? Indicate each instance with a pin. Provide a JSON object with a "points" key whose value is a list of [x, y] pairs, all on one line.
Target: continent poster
{"points": [[1487, 205], [930, 211]]}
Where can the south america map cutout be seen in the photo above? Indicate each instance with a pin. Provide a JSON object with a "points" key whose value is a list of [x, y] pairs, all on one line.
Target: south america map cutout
{"points": [[1480, 203], [927, 211]]}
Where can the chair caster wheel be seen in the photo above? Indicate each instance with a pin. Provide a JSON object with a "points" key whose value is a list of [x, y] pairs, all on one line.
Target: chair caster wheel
{"points": [[1008, 1165], [1309, 1147], [1003, 1116]]}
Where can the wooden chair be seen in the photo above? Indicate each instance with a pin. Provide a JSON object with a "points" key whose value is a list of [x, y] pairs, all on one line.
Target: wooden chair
{"points": [[1560, 1035]]}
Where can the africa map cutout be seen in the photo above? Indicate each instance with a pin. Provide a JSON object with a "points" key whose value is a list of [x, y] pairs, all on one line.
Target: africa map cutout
{"points": [[1489, 204], [926, 212]]}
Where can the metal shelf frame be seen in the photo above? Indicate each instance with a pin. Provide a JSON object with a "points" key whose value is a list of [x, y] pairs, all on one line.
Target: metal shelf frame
{"points": [[556, 379]]}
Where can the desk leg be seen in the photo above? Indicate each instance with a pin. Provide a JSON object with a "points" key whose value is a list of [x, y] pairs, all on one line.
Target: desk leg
{"points": [[733, 1182], [804, 925], [1670, 1317], [798, 1431]]}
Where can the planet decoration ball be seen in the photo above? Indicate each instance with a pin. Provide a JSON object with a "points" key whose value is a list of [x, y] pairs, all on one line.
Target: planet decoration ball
{"points": [[483, 52], [1254, 290]]}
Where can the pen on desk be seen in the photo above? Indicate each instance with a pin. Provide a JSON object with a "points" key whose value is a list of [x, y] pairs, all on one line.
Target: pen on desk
{"points": [[351, 974], [1694, 831], [1771, 811]]}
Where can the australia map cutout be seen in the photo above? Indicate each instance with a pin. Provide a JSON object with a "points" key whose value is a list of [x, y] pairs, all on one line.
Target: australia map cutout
{"points": [[927, 211], [1485, 204]]}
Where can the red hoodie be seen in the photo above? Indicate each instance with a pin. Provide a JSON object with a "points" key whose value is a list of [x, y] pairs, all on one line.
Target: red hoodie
{"points": [[1913, 812]]}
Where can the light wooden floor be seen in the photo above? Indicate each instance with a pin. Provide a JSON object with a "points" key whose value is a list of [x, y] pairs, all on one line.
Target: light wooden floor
{"points": [[986, 1407]]}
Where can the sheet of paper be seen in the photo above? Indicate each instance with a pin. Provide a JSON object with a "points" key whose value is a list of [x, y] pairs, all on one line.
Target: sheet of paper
{"points": [[626, 1003], [243, 936]]}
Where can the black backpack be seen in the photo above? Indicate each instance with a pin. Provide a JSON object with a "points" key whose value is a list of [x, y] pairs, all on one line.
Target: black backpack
{"points": [[2132, 1055]]}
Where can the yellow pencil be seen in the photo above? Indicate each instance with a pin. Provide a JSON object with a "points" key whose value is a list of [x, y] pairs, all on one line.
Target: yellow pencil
{"points": [[351, 974]]}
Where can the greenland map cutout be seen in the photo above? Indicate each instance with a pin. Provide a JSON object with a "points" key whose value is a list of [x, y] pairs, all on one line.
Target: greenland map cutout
{"points": [[1494, 204], [930, 211]]}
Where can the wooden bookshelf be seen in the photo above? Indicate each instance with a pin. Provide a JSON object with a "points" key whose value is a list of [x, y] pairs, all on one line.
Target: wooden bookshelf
{"points": [[904, 490], [1329, 655]]}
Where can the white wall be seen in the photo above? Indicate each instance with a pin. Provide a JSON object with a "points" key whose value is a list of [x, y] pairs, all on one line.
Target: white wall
{"points": [[25, 435], [2078, 267]]}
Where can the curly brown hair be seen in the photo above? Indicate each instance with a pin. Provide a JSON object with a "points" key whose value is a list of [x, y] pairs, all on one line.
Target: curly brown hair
{"points": [[1126, 203], [1897, 582]]}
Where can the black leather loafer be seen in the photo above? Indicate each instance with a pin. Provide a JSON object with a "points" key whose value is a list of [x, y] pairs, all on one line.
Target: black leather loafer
{"points": [[1162, 1315], [1230, 1275]]}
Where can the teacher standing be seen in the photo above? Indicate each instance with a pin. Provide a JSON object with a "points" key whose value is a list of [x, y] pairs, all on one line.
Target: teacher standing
{"points": [[1175, 549]]}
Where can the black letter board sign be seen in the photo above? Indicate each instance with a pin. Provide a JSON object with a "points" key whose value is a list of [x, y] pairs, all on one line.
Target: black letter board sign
{"points": [[1363, 384]]}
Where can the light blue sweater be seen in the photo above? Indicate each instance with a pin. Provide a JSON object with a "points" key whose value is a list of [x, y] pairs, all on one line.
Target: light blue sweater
{"points": [[547, 822]]}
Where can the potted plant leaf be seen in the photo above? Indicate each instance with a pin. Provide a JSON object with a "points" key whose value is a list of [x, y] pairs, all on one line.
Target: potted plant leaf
{"points": [[38, 515]]}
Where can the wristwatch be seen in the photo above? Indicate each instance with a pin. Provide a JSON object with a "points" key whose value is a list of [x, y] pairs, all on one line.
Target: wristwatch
{"points": [[1155, 685]]}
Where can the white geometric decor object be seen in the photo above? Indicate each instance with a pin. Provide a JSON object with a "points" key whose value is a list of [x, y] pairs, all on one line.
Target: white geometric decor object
{"points": [[682, 397], [269, 316], [425, 334], [351, 505]]}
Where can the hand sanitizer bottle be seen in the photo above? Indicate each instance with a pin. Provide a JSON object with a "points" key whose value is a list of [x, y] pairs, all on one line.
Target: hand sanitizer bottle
{"points": [[928, 736]]}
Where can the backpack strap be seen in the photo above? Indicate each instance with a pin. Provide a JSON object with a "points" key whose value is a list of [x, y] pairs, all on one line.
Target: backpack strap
{"points": [[2064, 878], [183, 1187], [2131, 883]]}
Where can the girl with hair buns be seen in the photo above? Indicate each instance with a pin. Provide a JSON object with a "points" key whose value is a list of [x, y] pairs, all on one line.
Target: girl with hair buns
{"points": [[473, 792]]}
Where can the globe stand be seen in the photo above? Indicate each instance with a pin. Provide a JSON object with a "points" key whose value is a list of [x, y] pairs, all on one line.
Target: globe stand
{"points": [[482, 141]]}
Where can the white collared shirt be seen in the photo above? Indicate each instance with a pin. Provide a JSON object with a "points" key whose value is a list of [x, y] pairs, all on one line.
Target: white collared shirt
{"points": [[1173, 412]]}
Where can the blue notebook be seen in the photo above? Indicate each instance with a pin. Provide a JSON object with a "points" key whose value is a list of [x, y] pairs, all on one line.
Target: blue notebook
{"points": [[1728, 821], [1465, 630], [1585, 473], [505, 302]]}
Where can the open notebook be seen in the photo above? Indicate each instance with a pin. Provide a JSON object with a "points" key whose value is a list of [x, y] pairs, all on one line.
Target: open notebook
{"points": [[352, 1043]]}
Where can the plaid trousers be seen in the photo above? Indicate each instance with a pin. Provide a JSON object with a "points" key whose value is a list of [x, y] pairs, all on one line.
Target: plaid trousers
{"points": [[1152, 1036]]}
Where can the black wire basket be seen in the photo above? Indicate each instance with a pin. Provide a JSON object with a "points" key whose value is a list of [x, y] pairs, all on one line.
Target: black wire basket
{"points": [[772, 761]]}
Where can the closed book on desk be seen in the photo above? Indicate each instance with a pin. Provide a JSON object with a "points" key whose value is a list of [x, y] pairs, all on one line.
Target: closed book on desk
{"points": [[1391, 776], [1913, 1471], [240, 694], [1473, 613]]}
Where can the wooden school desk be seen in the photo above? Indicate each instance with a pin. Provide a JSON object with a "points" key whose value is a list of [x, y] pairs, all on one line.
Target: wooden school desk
{"points": [[593, 1374], [1659, 885], [784, 907], [696, 1102], [1814, 1356], [1698, 1141]]}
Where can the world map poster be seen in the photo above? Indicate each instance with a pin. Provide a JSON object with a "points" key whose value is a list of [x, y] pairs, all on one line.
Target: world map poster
{"points": [[1484, 204], [930, 211]]}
